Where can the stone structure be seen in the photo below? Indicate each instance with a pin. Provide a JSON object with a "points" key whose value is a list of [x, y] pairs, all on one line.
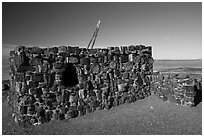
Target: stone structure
{"points": [[181, 90], [65, 82]]}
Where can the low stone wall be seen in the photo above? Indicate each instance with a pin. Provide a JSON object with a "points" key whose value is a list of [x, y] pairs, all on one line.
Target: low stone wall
{"points": [[181, 90], [65, 82]]}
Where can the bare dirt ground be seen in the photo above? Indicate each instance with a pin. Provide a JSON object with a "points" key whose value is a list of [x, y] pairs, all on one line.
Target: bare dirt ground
{"points": [[147, 117]]}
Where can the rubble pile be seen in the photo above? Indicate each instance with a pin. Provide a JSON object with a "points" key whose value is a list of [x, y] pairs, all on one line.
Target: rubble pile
{"points": [[65, 82], [181, 90]]}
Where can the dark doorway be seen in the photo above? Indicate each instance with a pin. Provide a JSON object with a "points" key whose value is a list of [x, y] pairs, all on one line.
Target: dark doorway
{"points": [[69, 76], [198, 97]]}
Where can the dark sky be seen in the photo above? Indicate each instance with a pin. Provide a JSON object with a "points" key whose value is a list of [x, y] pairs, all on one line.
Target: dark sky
{"points": [[173, 29]]}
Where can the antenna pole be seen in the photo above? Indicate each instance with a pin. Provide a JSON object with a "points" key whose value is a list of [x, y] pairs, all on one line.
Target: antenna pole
{"points": [[93, 39]]}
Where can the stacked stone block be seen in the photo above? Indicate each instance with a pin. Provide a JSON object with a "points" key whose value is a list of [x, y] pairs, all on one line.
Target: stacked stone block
{"points": [[186, 91], [65, 82]]}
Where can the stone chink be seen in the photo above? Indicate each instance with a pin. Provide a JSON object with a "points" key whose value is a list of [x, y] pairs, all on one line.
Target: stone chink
{"points": [[65, 82]]}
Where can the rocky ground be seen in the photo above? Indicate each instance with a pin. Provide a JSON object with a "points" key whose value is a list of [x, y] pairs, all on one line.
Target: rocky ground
{"points": [[145, 117]]}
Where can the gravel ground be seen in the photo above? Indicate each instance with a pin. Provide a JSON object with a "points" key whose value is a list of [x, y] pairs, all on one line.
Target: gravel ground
{"points": [[150, 116]]}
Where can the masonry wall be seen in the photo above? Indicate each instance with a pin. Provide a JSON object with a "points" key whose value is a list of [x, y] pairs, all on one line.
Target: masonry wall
{"points": [[65, 82], [182, 90]]}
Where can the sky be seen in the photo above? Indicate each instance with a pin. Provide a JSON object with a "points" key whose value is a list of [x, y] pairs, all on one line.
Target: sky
{"points": [[174, 30]]}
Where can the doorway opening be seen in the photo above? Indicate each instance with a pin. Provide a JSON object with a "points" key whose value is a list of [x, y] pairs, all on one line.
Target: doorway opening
{"points": [[70, 76]]}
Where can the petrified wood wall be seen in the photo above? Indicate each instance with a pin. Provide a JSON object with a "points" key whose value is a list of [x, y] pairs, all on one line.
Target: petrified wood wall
{"points": [[65, 82]]}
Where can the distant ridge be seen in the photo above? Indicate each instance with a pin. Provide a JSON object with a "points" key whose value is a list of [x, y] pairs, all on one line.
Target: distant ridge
{"points": [[177, 59], [183, 69]]}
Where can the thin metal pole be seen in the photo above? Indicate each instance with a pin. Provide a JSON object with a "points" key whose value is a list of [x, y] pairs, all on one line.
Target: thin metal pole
{"points": [[94, 35]]}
